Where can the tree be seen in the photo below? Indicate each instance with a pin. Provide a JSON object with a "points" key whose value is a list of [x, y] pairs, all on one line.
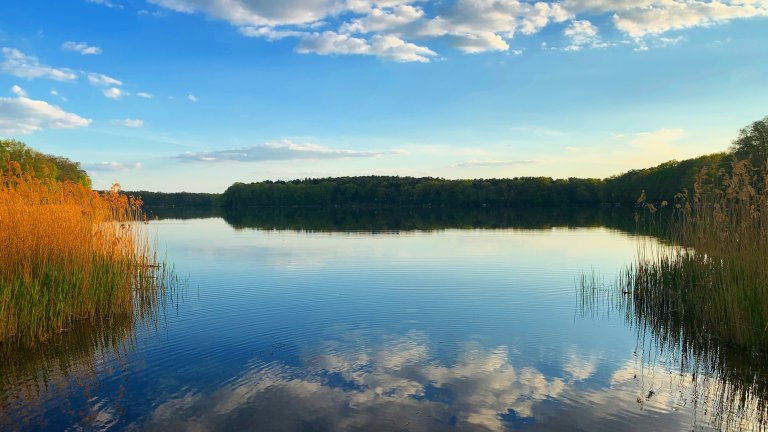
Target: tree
{"points": [[752, 143], [42, 165]]}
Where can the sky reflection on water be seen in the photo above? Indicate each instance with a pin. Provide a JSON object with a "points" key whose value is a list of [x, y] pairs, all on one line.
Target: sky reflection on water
{"points": [[477, 330]]}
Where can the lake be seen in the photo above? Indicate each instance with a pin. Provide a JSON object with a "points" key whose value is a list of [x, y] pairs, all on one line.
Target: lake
{"points": [[343, 325]]}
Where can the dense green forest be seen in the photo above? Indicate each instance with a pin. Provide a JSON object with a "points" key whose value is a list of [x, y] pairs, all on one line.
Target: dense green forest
{"points": [[176, 199], [660, 183], [42, 165]]}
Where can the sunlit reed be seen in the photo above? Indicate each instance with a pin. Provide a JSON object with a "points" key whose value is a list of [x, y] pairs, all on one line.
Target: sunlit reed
{"points": [[68, 255]]}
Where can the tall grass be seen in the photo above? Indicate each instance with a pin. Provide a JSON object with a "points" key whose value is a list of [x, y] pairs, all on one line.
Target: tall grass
{"points": [[69, 254], [699, 291], [715, 277]]}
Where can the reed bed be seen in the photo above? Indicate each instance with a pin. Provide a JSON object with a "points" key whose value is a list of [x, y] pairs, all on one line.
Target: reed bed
{"points": [[698, 292], [725, 384], [69, 254], [715, 275]]}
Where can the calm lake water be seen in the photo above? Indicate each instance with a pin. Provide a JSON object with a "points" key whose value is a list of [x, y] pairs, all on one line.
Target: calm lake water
{"points": [[411, 330]]}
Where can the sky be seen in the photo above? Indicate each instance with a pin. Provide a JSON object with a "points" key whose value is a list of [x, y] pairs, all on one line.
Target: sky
{"points": [[194, 95]]}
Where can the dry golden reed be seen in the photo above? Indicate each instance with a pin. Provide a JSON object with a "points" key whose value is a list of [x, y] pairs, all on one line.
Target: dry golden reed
{"points": [[69, 254]]}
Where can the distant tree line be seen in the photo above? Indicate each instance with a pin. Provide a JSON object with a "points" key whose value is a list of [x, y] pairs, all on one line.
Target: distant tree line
{"points": [[42, 165], [387, 191], [175, 199], [660, 183]]}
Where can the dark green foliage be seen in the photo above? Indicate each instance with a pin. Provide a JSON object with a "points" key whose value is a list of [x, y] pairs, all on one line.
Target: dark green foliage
{"points": [[380, 191], [43, 165], [153, 200], [660, 183], [752, 144]]}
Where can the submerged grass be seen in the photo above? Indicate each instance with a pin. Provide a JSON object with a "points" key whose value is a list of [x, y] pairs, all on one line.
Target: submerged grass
{"points": [[69, 254]]}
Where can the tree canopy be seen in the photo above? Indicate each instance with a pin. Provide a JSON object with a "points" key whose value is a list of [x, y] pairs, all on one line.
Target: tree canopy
{"points": [[42, 165], [660, 183], [752, 143]]}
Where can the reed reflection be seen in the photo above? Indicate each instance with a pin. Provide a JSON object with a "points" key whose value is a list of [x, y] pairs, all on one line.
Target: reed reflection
{"points": [[725, 385], [42, 382]]}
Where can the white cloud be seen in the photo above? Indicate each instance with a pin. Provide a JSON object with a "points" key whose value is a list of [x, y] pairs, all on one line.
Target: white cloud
{"points": [[106, 3], [145, 95], [473, 43], [473, 26], [109, 166], [472, 21], [281, 150], [81, 47], [103, 80], [383, 20], [602, 6], [666, 15], [582, 33], [129, 122], [393, 48], [365, 6], [192, 97], [18, 91], [329, 42], [114, 93], [22, 115], [24, 66], [269, 33], [257, 12], [388, 47], [669, 41], [55, 92]]}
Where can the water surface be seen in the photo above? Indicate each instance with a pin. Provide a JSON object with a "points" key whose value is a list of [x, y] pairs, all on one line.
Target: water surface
{"points": [[465, 329]]}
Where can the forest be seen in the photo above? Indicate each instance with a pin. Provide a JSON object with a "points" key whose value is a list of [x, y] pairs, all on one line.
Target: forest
{"points": [[660, 183], [42, 165], [657, 184]]}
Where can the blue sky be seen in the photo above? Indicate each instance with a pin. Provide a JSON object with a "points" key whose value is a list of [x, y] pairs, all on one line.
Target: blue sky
{"points": [[194, 95]]}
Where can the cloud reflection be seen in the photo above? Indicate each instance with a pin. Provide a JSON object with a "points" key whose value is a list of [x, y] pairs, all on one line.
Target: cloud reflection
{"points": [[395, 386], [398, 384]]}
